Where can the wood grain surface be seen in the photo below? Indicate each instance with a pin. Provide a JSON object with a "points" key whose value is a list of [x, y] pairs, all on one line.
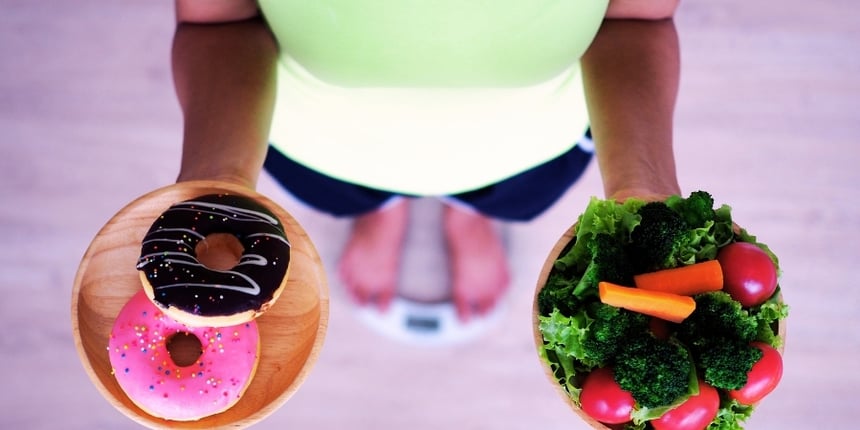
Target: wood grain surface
{"points": [[554, 253], [767, 120], [291, 331]]}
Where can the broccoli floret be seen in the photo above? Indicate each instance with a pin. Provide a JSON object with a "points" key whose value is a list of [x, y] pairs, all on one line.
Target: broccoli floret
{"points": [[610, 329], [608, 262], [696, 210], [657, 239], [655, 372], [718, 334], [717, 316], [727, 363], [565, 289], [558, 294], [609, 257]]}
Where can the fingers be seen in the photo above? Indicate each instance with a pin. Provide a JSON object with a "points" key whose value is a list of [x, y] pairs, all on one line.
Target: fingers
{"points": [[638, 193]]}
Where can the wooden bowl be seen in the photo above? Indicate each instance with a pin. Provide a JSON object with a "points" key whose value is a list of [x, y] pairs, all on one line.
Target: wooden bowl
{"points": [[568, 236], [291, 331]]}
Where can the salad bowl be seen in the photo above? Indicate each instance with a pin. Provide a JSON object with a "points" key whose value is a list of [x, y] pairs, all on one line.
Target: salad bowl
{"points": [[561, 247]]}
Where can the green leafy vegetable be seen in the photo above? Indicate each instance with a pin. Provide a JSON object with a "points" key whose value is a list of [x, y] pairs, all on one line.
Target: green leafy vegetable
{"points": [[726, 364], [564, 334], [608, 262], [731, 417], [655, 372], [558, 295], [717, 316], [656, 241], [600, 216], [563, 345], [767, 315], [697, 210], [718, 334], [610, 330], [614, 241]]}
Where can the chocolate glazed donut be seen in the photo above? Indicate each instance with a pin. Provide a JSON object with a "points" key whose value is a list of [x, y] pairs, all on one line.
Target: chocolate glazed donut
{"points": [[177, 279]]}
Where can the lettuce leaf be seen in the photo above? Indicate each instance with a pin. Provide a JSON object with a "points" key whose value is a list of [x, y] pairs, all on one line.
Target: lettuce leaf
{"points": [[600, 216], [562, 348], [565, 335], [702, 243], [731, 417], [767, 316]]}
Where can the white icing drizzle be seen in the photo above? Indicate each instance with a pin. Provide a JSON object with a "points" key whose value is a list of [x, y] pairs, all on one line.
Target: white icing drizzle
{"points": [[253, 288], [249, 214], [273, 236], [172, 256]]}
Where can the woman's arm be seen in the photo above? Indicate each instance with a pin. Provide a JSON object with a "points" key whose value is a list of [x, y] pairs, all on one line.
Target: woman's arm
{"points": [[631, 74], [224, 67]]}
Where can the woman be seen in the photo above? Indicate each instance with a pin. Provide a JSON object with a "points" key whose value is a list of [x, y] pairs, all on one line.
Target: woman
{"points": [[367, 102]]}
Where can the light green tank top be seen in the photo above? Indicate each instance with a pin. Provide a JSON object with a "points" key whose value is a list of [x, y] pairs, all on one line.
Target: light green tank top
{"points": [[390, 93], [434, 42]]}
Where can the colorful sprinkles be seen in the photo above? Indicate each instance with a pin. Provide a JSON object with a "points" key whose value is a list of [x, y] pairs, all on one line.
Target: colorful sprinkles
{"points": [[142, 364]]}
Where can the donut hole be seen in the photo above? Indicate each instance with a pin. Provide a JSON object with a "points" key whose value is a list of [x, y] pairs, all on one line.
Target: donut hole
{"points": [[184, 348], [219, 251]]}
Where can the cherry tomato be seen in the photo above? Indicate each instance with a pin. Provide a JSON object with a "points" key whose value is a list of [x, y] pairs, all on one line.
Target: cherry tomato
{"points": [[749, 275], [603, 399], [694, 414], [762, 378]]}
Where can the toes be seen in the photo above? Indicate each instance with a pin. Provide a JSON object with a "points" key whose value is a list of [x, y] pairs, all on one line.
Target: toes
{"points": [[381, 299], [362, 295], [464, 310], [468, 308], [354, 293], [478, 302]]}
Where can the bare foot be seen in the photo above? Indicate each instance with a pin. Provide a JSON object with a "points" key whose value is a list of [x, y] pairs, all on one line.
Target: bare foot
{"points": [[479, 268], [371, 258]]}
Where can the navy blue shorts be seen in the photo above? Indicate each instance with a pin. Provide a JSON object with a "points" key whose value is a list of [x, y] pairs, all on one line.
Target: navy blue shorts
{"points": [[521, 197]]}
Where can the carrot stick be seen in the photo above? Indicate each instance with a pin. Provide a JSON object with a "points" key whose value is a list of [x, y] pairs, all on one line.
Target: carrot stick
{"points": [[685, 280], [667, 306]]}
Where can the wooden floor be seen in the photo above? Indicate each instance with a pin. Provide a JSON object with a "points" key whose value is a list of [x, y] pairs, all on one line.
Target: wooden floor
{"points": [[768, 120]]}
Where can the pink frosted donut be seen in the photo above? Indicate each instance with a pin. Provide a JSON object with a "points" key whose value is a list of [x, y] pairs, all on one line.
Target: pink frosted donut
{"points": [[145, 370]]}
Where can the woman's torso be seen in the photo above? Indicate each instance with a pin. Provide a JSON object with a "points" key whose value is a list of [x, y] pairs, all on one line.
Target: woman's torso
{"points": [[392, 61]]}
